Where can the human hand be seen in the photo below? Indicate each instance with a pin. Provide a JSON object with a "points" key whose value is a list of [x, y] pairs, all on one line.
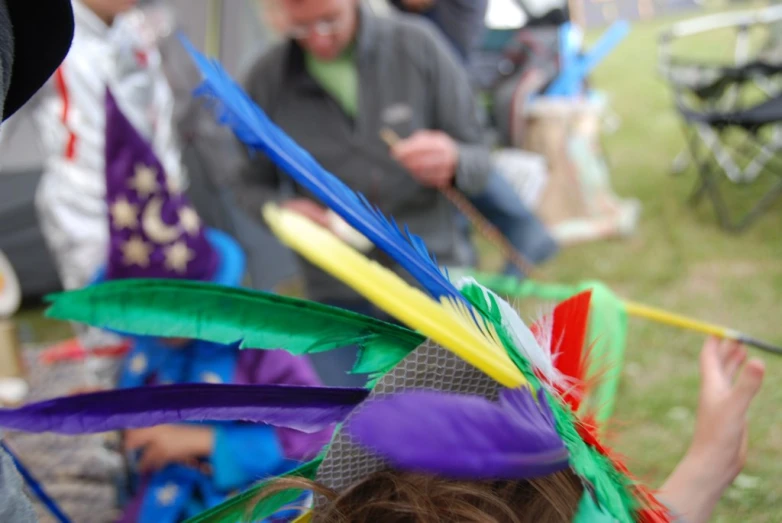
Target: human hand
{"points": [[166, 444], [85, 390], [718, 450], [430, 156], [418, 5], [310, 209]]}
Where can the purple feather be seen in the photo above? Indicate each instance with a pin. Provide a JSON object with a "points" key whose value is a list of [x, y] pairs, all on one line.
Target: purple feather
{"points": [[307, 409], [463, 437]]}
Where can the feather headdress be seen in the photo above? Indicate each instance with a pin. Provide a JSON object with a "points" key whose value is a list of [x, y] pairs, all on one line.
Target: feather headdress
{"points": [[432, 400]]}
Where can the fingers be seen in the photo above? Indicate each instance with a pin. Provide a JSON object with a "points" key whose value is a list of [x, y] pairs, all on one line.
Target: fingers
{"points": [[85, 390], [420, 141], [430, 156], [135, 439], [309, 209], [152, 459], [424, 161], [431, 168], [749, 382]]}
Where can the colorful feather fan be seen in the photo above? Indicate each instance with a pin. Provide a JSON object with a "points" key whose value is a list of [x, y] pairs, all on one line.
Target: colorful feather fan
{"points": [[536, 430], [608, 478], [613, 486], [206, 311], [486, 333], [258, 132]]}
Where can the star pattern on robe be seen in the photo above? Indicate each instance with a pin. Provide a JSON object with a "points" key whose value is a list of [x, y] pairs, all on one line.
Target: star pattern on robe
{"points": [[173, 185], [178, 256], [144, 181], [210, 377], [167, 494], [124, 214], [138, 364], [189, 220], [136, 252]]}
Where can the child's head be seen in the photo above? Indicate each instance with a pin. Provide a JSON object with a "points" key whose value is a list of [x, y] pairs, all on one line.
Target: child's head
{"points": [[401, 497], [107, 10]]}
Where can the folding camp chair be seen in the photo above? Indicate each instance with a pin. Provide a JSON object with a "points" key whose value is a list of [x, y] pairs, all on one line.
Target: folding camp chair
{"points": [[731, 114]]}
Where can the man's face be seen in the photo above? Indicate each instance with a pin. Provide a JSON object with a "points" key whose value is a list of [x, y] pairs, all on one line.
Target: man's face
{"points": [[110, 9], [322, 27]]}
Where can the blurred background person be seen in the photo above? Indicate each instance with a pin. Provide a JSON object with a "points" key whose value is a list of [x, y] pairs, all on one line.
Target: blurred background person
{"points": [[340, 77], [107, 51], [460, 21]]}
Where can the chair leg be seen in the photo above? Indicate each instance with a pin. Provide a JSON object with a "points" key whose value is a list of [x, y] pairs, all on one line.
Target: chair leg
{"points": [[697, 193], [709, 168], [681, 162], [721, 209], [762, 206], [699, 157]]}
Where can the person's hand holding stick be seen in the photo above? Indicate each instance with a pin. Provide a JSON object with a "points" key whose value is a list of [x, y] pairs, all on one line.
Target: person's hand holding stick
{"points": [[400, 150]]}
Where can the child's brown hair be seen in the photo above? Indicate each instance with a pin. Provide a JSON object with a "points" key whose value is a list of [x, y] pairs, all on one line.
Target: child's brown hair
{"points": [[401, 497]]}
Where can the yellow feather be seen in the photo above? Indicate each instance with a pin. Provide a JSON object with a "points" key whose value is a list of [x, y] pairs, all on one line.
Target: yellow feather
{"points": [[447, 322], [304, 518]]}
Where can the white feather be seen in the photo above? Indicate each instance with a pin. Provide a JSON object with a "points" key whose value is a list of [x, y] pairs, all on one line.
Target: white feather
{"points": [[537, 353]]}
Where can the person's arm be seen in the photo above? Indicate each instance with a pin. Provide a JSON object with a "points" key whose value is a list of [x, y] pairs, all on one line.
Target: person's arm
{"points": [[719, 446], [456, 114], [452, 150]]}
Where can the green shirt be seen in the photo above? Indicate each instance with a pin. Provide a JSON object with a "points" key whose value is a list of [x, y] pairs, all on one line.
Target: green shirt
{"points": [[338, 77]]}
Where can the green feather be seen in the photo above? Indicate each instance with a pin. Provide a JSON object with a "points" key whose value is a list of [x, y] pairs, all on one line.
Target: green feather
{"points": [[205, 311], [612, 488], [248, 506], [487, 306]]}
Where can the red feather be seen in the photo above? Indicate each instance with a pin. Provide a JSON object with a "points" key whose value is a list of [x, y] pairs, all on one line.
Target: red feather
{"points": [[568, 344], [568, 341]]}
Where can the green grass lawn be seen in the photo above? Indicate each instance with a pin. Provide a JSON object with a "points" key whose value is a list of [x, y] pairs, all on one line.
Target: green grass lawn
{"points": [[681, 260]]}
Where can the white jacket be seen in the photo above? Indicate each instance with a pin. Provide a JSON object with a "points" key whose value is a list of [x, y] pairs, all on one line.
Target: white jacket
{"points": [[70, 112]]}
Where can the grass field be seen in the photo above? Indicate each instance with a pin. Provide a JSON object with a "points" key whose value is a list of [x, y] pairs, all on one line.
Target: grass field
{"points": [[679, 259]]}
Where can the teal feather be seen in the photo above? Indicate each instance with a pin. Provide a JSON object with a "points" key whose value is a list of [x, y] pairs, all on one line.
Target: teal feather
{"points": [[205, 311]]}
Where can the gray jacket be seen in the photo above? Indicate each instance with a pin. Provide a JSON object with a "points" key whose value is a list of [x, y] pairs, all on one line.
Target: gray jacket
{"points": [[408, 80]]}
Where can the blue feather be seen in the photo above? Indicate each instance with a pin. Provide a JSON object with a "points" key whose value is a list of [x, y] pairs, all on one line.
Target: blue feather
{"points": [[254, 128]]}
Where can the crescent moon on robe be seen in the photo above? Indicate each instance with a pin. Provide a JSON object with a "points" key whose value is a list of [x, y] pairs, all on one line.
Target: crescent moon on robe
{"points": [[152, 223]]}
